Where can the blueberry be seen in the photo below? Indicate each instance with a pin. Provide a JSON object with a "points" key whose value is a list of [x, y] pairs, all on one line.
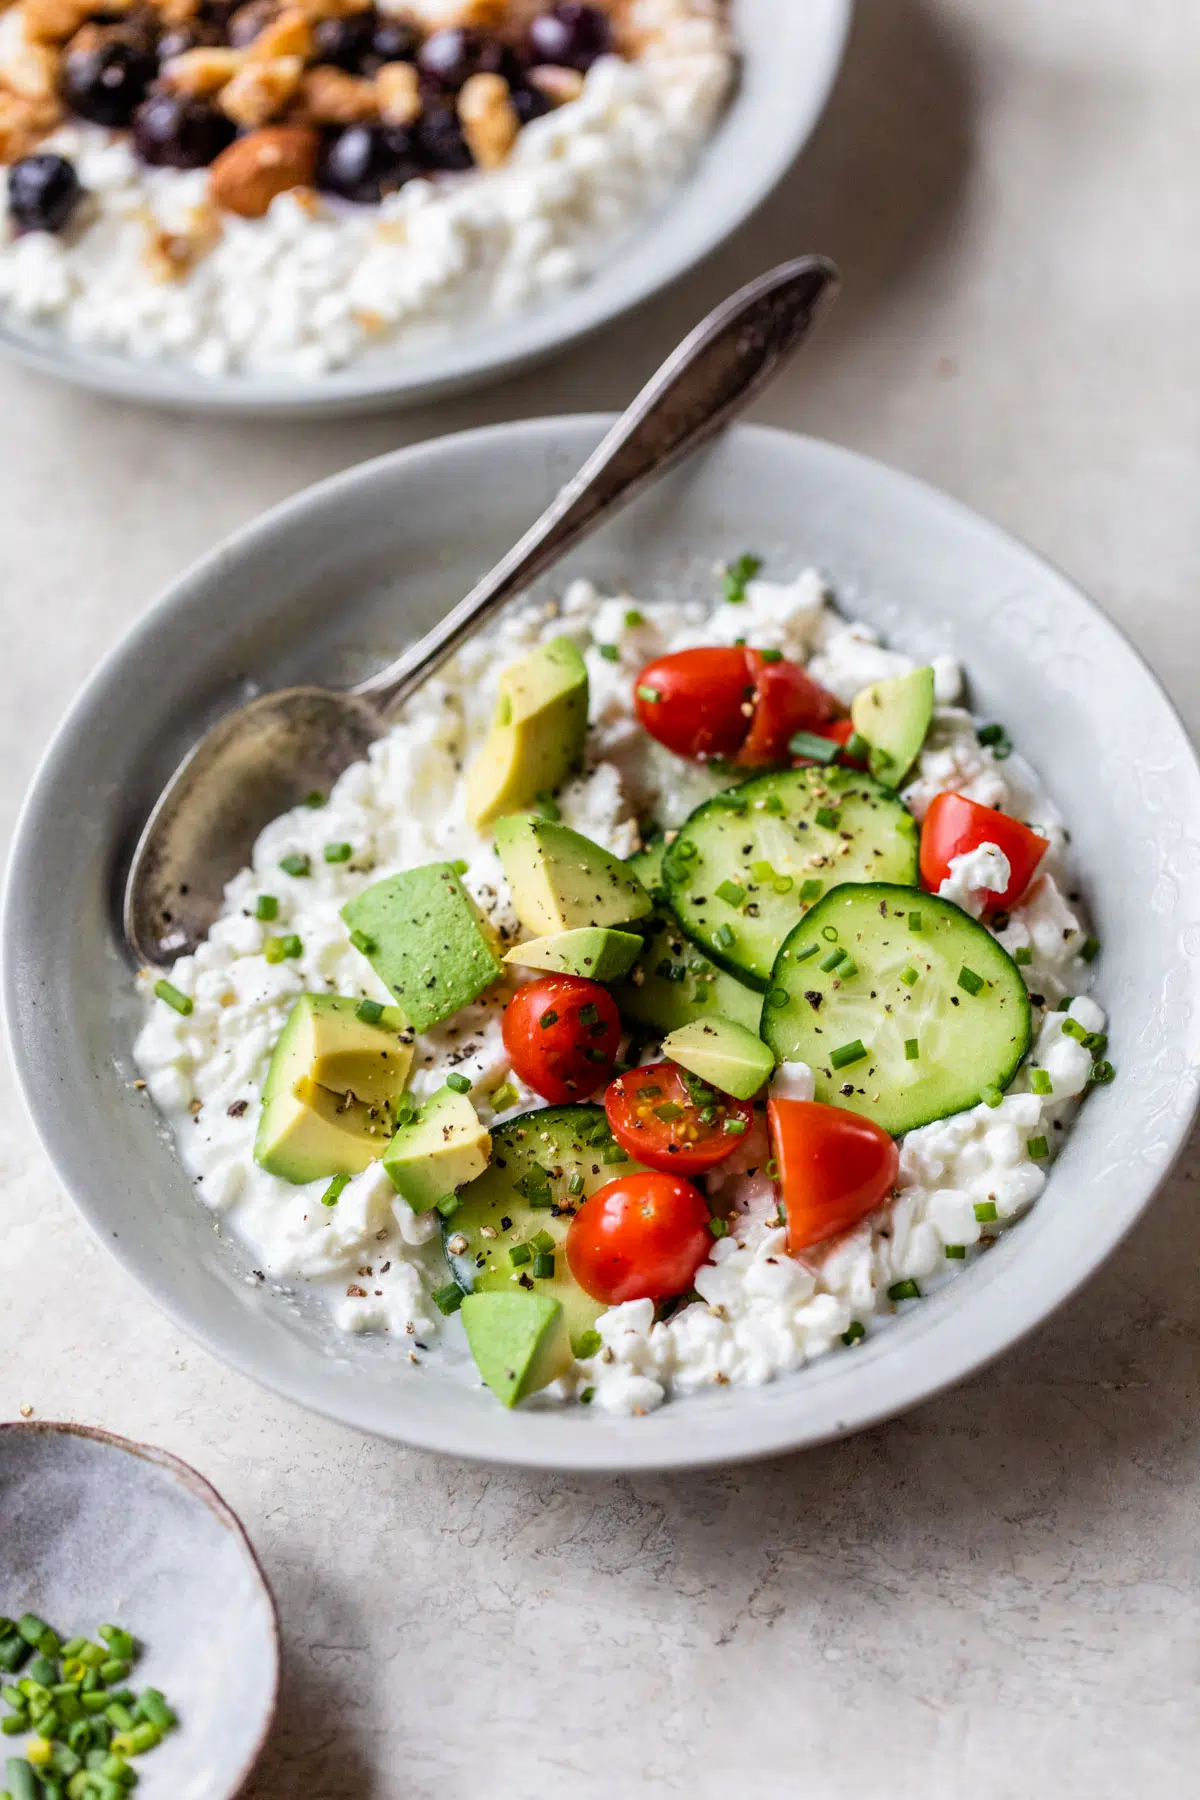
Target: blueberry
{"points": [[570, 36], [247, 21], [107, 82], [529, 103], [174, 132], [440, 140], [365, 162], [346, 41], [447, 59], [43, 192], [394, 41], [177, 40]]}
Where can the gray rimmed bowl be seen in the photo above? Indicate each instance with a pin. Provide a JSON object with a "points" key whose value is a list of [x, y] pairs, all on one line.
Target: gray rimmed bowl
{"points": [[98, 1530], [790, 56], [331, 583]]}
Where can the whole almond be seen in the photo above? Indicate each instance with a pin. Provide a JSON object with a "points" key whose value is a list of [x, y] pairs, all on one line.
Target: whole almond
{"points": [[246, 177]]}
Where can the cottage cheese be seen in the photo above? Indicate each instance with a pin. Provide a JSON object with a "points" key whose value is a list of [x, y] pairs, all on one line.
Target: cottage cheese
{"points": [[314, 285], [761, 1312]]}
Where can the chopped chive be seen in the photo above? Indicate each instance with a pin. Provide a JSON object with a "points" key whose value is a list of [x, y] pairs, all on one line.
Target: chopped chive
{"points": [[719, 1227], [519, 1254], [856, 746], [369, 1012], [847, 1054], [847, 970], [548, 1018], [771, 656], [650, 695], [708, 1115], [338, 853], [266, 908], [614, 1154], [985, 1211], [956, 1252], [735, 1127], [783, 884], [910, 976], [1038, 1148], [817, 749], [685, 850], [448, 1205], [828, 817], [723, 936], [1096, 1042], [589, 1014], [1102, 1073], [829, 933], [831, 961], [363, 943], [762, 871], [915, 922], [292, 945], [182, 1003], [968, 979], [997, 738], [543, 1266], [1040, 1082], [811, 889], [771, 1168], [609, 652], [854, 1333], [548, 807], [586, 1344], [1073, 1029], [295, 864], [330, 1197], [731, 893], [633, 619], [912, 1050], [778, 998], [903, 1290], [772, 804], [1023, 955], [991, 1096], [460, 865], [575, 1185], [737, 573], [504, 1096], [668, 1112], [587, 1396], [448, 1299], [808, 951], [458, 1084], [315, 799], [1090, 949]]}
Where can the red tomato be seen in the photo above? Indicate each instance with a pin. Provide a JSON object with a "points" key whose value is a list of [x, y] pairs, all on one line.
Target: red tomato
{"points": [[691, 1138], [834, 1168], [953, 825], [561, 1034], [640, 1238], [702, 703], [787, 700]]}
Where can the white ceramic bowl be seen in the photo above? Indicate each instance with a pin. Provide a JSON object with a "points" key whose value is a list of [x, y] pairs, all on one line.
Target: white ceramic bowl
{"points": [[356, 564], [791, 50]]}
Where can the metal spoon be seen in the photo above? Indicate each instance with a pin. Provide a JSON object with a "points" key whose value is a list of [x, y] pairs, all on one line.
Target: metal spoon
{"points": [[264, 758]]}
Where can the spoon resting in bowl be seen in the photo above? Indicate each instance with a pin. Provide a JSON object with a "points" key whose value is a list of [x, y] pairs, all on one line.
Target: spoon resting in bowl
{"points": [[267, 756]]}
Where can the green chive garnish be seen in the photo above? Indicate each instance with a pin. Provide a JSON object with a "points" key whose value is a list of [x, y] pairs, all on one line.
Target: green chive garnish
{"points": [[609, 652], [1038, 1148], [831, 961], [817, 749], [854, 1333], [857, 746], [448, 1205], [1040, 1082], [985, 1211], [731, 893], [809, 950], [903, 1290], [719, 1227], [338, 853], [956, 1252], [292, 945], [970, 981], [315, 799], [1073, 1029], [648, 694], [847, 969], [1023, 955], [735, 1127], [772, 804], [723, 936], [915, 922], [548, 807], [369, 1011], [811, 890], [910, 976], [1102, 1073], [778, 998], [848, 1053], [295, 864], [771, 656], [504, 1096], [448, 1299], [575, 1185], [266, 908], [519, 1254], [458, 1084], [828, 817], [912, 1050], [762, 871], [330, 1197], [548, 1018], [668, 1112], [182, 1003], [737, 573], [829, 933], [633, 619], [614, 1154], [783, 884], [1090, 949], [543, 1266], [363, 943]]}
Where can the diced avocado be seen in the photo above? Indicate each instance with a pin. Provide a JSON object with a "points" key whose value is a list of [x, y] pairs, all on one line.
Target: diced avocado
{"points": [[674, 982], [307, 1133], [327, 1039], [439, 1150], [423, 937], [561, 881], [537, 735], [894, 717], [519, 1342], [595, 951], [724, 1054]]}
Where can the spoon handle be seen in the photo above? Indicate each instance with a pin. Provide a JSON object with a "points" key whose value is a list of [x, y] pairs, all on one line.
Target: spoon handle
{"points": [[713, 376]]}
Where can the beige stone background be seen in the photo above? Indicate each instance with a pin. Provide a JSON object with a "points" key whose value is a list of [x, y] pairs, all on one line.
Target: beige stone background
{"points": [[995, 1597]]}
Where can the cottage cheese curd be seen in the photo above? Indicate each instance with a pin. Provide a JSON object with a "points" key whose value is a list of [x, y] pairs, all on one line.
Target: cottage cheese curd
{"points": [[315, 285], [761, 1313]]}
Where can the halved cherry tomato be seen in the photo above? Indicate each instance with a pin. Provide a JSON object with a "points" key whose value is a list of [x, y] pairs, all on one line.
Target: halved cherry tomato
{"points": [[840, 731], [953, 825], [786, 700], [561, 1034], [642, 1237], [696, 702], [669, 1123], [834, 1168]]}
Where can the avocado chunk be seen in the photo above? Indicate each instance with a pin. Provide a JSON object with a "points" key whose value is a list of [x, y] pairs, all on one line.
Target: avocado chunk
{"points": [[595, 951], [439, 1150], [309, 1133], [327, 1039], [561, 881], [894, 717], [423, 937], [725, 1055], [673, 983], [537, 735], [519, 1342]]}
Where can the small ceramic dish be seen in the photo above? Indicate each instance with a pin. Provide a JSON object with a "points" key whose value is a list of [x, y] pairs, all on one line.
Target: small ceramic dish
{"points": [[330, 584], [789, 54], [98, 1530]]}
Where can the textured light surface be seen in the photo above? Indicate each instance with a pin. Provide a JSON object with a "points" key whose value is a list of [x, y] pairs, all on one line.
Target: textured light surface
{"points": [[996, 1595]]}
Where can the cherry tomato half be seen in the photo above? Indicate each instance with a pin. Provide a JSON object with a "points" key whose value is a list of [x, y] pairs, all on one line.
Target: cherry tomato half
{"points": [[954, 825], [671, 1123], [839, 731], [640, 1238], [834, 1168], [696, 702], [561, 1034], [787, 700]]}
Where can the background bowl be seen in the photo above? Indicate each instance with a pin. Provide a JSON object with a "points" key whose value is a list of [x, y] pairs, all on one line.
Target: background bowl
{"points": [[791, 54], [98, 1530], [332, 582]]}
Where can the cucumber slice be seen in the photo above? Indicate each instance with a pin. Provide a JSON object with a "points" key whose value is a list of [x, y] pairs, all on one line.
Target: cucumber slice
{"points": [[646, 864], [913, 971], [747, 865], [525, 1191], [673, 984]]}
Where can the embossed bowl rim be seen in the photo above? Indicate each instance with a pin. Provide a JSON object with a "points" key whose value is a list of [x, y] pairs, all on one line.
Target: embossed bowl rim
{"points": [[320, 573]]}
